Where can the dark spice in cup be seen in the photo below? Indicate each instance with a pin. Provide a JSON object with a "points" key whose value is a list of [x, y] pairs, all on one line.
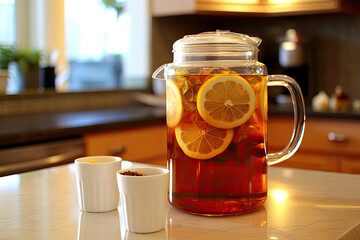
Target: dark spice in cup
{"points": [[130, 173]]}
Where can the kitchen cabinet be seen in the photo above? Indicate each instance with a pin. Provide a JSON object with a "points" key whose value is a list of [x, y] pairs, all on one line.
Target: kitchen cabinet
{"points": [[146, 144], [328, 144], [252, 7], [350, 166]]}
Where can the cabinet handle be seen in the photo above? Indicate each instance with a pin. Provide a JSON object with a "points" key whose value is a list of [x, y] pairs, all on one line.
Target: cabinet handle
{"points": [[337, 137], [117, 150]]}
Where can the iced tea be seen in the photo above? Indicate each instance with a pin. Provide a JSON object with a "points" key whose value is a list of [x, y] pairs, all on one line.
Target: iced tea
{"points": [[224, 173]]}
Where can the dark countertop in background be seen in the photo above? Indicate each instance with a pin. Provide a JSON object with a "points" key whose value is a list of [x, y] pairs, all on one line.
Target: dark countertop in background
{"points": [[36, 128]]}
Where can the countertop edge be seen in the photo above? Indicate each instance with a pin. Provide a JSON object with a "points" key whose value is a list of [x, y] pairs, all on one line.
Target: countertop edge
{"points": [[31, 129]]}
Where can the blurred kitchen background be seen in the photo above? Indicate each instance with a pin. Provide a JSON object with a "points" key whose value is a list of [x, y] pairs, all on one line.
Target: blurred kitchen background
{"points": [[97, 45], [62, 55]]}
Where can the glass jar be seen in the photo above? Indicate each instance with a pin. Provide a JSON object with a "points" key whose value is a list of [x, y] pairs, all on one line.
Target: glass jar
{"points": [[216, 102]]}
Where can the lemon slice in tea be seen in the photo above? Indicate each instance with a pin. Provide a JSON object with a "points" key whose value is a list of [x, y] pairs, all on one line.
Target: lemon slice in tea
{"points": [[226, 101], [174, 107], [201, 140]]}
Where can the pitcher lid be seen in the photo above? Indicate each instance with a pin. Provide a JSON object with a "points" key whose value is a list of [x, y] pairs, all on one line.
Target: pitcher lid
{"points": [[218, 37]]}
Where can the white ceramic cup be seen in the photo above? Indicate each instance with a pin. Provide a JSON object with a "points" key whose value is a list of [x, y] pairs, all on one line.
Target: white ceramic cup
{"points": [[143, 199], [96, 183]]}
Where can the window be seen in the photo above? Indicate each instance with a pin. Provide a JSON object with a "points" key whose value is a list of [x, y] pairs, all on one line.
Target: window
{"points": [[87, 35], [7, 22], [95, 32], [102, 46]]}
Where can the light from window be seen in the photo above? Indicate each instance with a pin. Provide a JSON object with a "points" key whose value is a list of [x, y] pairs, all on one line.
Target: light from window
{"points": [[94, 31], [7, 22], [107, 50]]}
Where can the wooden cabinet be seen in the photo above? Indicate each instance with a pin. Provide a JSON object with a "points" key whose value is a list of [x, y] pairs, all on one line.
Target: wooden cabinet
{"points": [[252, 7], [350, 166], [339, 152], [145, 144]]}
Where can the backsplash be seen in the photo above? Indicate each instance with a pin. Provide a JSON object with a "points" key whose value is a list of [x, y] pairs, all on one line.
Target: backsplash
{"points": [[333, 43]]}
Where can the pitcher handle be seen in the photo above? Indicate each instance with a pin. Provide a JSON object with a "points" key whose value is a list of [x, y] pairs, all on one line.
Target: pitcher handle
{"points": [[159, 73], [299, 117]]}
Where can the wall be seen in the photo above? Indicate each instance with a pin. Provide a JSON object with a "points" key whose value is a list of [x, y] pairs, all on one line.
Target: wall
{"points": [[334, 43]]}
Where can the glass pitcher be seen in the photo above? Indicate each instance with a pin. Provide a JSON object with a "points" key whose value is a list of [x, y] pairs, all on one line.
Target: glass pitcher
{"points": [[216, 103]]}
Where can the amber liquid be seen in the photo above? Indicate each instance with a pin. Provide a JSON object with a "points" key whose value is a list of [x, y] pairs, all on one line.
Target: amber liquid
{"points": [[232, 182]]}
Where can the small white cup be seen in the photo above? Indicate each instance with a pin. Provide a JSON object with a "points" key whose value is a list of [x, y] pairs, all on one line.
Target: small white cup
{"points": [[143, 199], [96, 183]]}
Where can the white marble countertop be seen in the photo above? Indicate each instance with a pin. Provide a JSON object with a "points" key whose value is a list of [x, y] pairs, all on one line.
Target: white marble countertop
{"points": [[301, 205]]}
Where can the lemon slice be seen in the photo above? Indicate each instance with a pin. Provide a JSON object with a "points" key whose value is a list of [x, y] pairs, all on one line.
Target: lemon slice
{"points": [[226, 101], [201, 140], [174, 107]]}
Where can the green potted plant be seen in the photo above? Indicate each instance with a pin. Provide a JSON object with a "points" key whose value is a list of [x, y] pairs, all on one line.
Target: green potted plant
{"points": [[28, 61], [7, 53]]}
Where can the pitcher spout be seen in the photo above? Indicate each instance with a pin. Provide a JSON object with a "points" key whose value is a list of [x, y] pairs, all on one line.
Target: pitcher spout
{"points": [[159, 73]]}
